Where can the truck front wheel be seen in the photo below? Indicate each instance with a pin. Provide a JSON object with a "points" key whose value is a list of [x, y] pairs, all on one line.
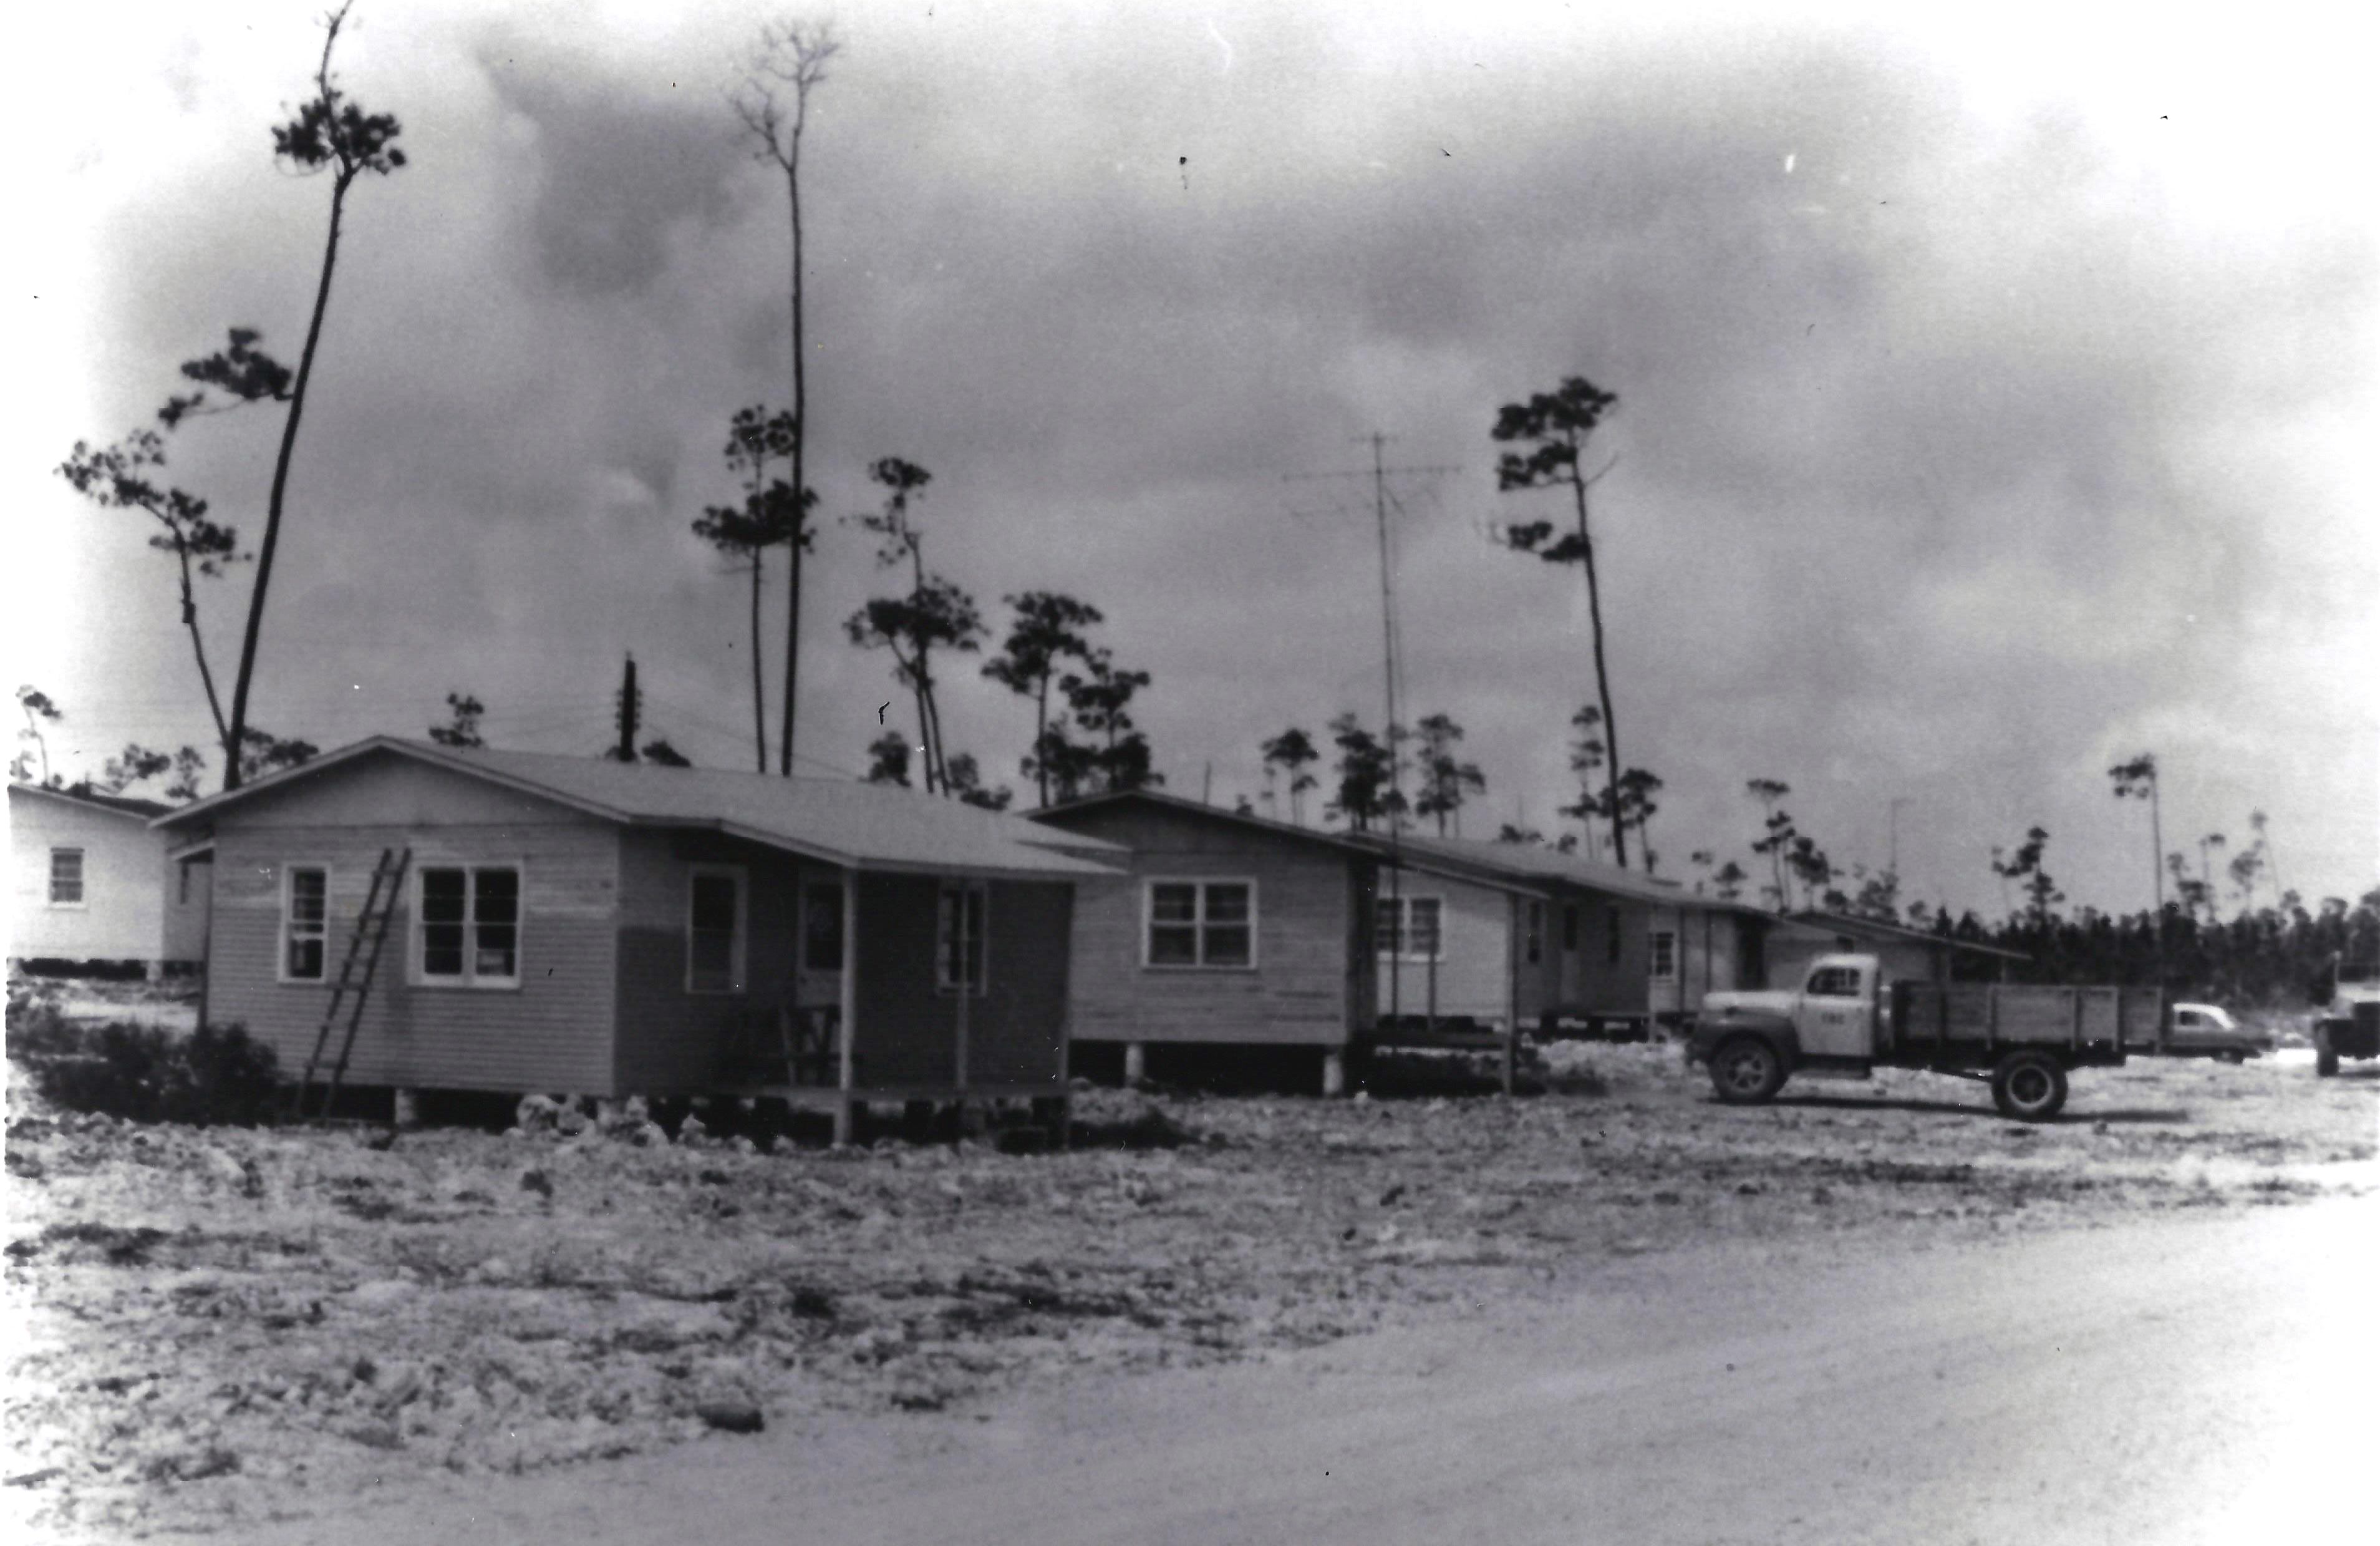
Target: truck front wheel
{"points": [[2326, 1056], [1746, 1071], [2030, 1086]]}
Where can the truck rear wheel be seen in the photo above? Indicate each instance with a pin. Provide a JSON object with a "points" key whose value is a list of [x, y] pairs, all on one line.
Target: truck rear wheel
{"points": [[2030, 1086], [1746, 1071], [2326, 1056]]}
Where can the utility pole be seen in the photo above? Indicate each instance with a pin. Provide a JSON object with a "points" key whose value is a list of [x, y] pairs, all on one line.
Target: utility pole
{"points": [[1391, 670], [631, 702]]}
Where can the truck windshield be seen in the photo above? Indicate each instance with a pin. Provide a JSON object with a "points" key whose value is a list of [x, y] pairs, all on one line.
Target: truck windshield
{"points": [[1834, 982]]}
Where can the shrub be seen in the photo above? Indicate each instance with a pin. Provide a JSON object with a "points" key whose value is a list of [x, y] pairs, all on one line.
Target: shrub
{"points": [[215, 1074]]}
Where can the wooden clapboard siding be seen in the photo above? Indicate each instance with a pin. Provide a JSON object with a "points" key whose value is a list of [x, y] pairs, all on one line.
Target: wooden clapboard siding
{"points": [[128, 910], [670, 1039], [904, 1033], [1718, 952], [553, 1033], [1312, 908], [908, 1030], [1018, 1033], [1595, 982], [1474, 972]]}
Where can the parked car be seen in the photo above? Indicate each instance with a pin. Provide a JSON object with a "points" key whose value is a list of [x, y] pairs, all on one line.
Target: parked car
{"points": [[2209, 1029]]}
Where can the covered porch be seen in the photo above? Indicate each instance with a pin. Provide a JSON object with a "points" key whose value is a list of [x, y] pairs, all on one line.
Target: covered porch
{"points": [[830, 987]]}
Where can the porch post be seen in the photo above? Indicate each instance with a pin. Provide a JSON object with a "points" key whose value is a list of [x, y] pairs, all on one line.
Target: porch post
{"points": [[845, 1010], [1511, 990], [1136, 1062], [966, 987]]}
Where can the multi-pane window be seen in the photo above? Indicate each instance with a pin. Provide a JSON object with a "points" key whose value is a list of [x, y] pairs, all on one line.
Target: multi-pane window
{"points": [[1665, 956], [66, 877], [958, 937], [305, 922], [822, 926], [469, 925], [1201, 923], [714, 931], [1407, 926]]}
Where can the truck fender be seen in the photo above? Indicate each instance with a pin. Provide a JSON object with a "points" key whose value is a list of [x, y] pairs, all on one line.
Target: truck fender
{"points": [[1727, 1025]]}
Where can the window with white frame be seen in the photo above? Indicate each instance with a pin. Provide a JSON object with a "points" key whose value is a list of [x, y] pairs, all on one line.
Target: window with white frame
{"points": [[1201, 923], [305, 922], [1665, 956], [467, 925], [959, 924], [715, 929], [66, 878], [1407, 928]]}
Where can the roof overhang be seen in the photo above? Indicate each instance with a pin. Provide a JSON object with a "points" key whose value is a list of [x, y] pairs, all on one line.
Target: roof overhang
{"points": [[81, 802], [1163, 801]]}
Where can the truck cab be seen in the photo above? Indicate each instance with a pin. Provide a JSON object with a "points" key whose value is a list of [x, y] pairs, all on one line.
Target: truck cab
{"points": [[1831, 1022], [2347, 1005]]}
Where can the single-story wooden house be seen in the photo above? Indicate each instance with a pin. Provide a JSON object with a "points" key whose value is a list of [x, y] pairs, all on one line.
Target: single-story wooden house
{"points": [[90, 883], [1226, 930], [576, 925], [1595, 943], [1908, 955]]}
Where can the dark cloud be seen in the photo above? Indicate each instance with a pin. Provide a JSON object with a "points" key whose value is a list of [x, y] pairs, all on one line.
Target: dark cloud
{"points": [[1956, 458], [619, 171]]}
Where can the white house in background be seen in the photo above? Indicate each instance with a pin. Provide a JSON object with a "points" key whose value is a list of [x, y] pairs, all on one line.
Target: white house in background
{"points": [[89, 880]]}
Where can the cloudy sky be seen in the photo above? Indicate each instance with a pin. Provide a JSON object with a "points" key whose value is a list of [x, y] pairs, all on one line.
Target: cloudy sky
{"points": [[1989, 393]]}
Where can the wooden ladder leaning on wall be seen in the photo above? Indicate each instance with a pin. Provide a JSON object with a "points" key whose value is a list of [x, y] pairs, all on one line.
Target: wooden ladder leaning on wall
{"points": [[380, 905]]}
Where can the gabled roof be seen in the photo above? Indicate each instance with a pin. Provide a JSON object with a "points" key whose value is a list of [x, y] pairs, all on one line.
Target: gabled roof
{"points": [[840, 822], [1354, 844], [115, 805], [1877, 929], [1532, 861], [1197, 807]]}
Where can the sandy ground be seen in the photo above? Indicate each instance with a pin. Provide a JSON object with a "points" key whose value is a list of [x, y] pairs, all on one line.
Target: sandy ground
{"points": [[221, 1329], [2159, 1384]]}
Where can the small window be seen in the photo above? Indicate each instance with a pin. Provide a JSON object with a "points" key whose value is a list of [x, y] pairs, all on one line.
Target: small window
{"points": [[959, 937], [466, 931], [1611, 935], [714, 931], [1665, 956], [1418, 938], [305, 922], [1537, 935], [822, 926], [1835, 982], [1570, 928], [66, 877], [1201, 923], [182, 884]]}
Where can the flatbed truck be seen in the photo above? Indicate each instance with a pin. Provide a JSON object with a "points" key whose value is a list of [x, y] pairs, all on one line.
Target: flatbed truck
{"points": [[1846, 1020]]}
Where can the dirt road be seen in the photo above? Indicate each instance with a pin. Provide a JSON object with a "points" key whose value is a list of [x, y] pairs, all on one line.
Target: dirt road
{"points": [[2168, 1382]]}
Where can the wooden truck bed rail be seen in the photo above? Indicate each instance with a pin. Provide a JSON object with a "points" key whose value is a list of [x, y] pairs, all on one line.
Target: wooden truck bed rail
{"points": [[1953, 1022]]}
